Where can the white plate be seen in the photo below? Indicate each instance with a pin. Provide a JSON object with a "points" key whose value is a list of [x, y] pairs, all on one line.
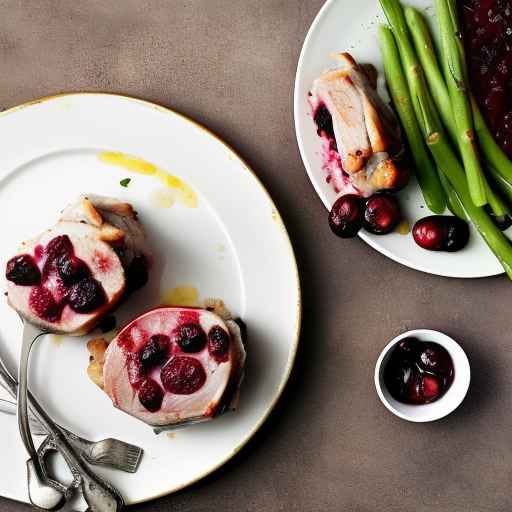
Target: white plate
{"points": [[233, 245], [345, 25]]}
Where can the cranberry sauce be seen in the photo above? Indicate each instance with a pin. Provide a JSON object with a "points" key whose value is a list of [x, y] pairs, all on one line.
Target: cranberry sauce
{"points": [[418, 372], [487, 26], [23, 270], [165, 361], [218, 343], [63, 280], [323, 120]]}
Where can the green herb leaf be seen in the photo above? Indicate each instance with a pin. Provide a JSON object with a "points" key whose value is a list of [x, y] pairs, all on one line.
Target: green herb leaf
{"points": [[124, 183]]}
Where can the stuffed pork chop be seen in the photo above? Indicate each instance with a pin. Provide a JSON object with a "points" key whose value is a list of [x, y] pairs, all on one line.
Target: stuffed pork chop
{"points": [[174, 366], [66, 279], [363, 153]]}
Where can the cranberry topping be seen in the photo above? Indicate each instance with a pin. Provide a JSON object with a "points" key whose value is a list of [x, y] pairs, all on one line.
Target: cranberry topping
{"points": [[125, 340], [151, 395], [86, 295], [183, 375], [136, 373], [71, 269], [42, 303], [487, 28], [188, 316], [189, 337], [65, 279], [58, 246], [323, 120], [22, 270], [218, 343], [418, 372], [38, 252], [154, 351]]}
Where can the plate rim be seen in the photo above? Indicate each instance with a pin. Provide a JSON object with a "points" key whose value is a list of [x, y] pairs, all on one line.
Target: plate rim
{"points": [[298, 307], [309, 171]]}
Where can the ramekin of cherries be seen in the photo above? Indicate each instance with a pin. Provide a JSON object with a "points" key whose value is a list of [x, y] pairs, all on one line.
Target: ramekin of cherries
{"points": [[422, 375], [380, 214]]}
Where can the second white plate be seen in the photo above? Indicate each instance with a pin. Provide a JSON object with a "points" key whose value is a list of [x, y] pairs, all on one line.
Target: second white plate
{"points": [[344, 25]]}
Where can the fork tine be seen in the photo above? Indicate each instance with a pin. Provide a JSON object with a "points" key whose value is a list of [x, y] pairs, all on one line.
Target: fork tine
{"points": [[116, 453]]}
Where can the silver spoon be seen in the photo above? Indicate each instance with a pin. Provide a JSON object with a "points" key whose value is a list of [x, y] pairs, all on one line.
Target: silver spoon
{"points": [[99, 494], [42, 491]]}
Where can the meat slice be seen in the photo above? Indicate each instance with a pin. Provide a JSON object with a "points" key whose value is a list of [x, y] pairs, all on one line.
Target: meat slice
{"points": [[365, 132], [55, 303], [337, 92], [174, 366], [70, 276], [117, 221]]}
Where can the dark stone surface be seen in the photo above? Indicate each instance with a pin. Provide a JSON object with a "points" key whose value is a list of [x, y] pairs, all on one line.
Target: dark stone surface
{"points": [[330, 444]]}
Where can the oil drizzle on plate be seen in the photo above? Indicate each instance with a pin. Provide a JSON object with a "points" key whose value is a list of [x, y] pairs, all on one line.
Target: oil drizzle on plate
{"points": [[57, 339], [181, 296], [183, 193], [403, 228]]}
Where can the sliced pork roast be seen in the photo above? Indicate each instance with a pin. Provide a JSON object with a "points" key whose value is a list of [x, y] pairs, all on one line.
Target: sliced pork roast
{"points": [[360, 129], [70, 276], [174, 366]]}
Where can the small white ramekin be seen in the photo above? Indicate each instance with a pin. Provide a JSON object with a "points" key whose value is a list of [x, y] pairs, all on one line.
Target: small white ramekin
{"points": [[449, 401]]}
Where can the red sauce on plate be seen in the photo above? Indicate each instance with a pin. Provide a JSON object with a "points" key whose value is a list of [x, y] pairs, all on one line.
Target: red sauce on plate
{"points": [[487, 26]]}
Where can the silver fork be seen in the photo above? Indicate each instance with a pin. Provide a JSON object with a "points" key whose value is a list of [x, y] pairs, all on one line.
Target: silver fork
{"points": [[109, 452], [43, 491]]}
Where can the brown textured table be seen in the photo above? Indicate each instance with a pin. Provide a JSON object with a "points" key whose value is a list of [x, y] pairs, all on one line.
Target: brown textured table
{"points": [[330, 444]]}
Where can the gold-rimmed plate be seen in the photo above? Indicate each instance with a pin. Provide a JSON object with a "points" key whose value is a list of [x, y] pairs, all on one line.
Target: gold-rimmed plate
{"points": [[215, 232]]}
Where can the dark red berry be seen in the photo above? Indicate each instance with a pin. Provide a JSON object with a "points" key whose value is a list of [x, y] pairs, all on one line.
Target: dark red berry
{"points": [[430, 232], [418, 372], [42, 304], [190, 337], [415, 389], [431, 388], [218, 343], [22, 270], [183, 375], [154, 351], [151, 395], [86, 295], [71, 269], [441, 233], [382, 214], [323, 120], [457, 234], [409, 348], [436, 359], [136, 372], [346, 216], [58, 246]]}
